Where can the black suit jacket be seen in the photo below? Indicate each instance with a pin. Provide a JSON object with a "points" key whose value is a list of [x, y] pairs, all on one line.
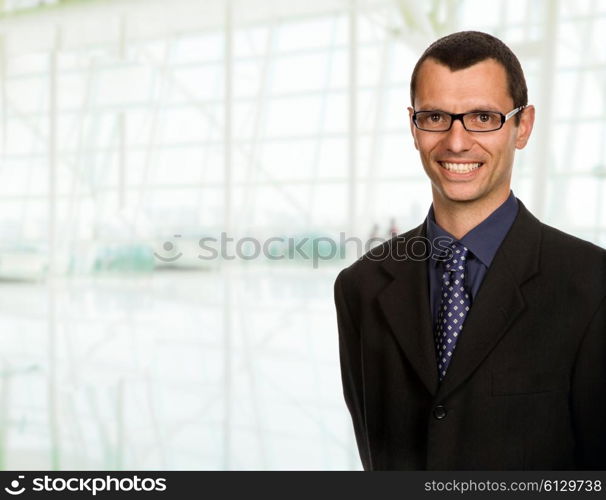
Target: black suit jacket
{"points": [[526, 388]]}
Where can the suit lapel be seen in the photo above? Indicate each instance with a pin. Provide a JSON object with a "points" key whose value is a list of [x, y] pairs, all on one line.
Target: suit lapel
{"points": [[405, 303], [498, 302]]}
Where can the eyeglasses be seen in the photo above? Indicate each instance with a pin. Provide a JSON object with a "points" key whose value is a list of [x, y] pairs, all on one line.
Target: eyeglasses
{"points": [[475, 121]]}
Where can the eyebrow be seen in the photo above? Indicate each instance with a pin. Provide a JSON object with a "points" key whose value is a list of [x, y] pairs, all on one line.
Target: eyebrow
{"points": [[475, 109], [486, 108]]}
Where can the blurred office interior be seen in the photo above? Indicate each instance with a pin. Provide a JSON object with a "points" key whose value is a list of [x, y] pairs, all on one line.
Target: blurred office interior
{"points": [[135, 133]]}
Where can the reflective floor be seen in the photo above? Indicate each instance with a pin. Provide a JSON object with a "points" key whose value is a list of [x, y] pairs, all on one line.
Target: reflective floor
{"points": [[227, 369]]}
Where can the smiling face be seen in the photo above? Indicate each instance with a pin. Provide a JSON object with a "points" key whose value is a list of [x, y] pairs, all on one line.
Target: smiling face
{"points": [[468, 167]]}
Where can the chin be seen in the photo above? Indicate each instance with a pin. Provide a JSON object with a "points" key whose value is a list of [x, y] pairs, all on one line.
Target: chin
{"points": [[461, 199], [461, 195]]}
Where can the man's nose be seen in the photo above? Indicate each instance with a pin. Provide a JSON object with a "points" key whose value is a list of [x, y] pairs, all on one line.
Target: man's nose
{"points": [[457, 139]]}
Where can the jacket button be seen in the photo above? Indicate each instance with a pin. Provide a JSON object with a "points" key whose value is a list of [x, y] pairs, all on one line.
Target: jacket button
{"points": [[440, 412]]}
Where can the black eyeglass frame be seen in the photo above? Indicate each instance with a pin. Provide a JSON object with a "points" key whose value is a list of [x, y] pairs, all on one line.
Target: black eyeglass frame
{"points": [[459, 116]]}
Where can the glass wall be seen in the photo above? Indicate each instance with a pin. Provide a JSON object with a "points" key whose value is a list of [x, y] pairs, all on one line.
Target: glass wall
{"points": [[176, 183]]}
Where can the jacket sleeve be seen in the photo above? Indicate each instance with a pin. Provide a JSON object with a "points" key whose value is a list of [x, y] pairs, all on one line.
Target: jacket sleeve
{"points": [[588, 392], [350, 354]]}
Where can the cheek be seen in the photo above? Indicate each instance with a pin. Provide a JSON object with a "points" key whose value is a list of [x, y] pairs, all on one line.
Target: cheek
{"points": [[508, 146], [508, 151], [499, 149], [425, 145]]}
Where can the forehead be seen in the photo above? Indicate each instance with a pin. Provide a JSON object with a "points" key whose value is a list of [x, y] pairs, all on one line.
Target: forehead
{"points": [[482, 85]]}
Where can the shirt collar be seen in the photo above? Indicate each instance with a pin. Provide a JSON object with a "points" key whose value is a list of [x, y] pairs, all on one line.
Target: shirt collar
{"points": [[485, 239]]}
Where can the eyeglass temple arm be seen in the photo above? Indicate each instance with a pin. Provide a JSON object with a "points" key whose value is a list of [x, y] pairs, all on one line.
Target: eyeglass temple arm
{"points": [[513, 112]]}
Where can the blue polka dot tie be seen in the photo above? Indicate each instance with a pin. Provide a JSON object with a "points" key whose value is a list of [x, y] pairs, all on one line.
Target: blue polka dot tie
{"points": [[455, 304]]}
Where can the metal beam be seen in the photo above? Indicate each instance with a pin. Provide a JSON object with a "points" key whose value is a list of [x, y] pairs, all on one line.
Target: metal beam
{"points": [[352, 181]]}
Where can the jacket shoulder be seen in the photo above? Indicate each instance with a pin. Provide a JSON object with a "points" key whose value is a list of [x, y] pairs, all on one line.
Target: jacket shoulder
{"points": [[370, 264], [572, 247], [580, 263]]}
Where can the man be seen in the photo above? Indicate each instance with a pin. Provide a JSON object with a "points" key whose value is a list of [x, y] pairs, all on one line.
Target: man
{"points": [[485, 348]]}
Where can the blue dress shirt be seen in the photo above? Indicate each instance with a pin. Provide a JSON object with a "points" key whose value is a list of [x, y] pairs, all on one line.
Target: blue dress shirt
{"points": [[483, 241]]}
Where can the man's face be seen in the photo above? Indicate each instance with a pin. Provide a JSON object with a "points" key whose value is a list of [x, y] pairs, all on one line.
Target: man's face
{"points": [[482, 86]]}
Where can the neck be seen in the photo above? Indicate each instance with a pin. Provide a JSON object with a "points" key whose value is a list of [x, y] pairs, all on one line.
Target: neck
{"points": [[460, 217]]}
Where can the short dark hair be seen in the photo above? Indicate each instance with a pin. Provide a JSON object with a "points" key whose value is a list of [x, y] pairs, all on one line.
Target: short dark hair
{"points": [[466, 48]]}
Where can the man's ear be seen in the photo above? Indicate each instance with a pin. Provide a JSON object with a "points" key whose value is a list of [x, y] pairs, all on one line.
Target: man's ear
{"points": [[413, 129], [525, 126]]}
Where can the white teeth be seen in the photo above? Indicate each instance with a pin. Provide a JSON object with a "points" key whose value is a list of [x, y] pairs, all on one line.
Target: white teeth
{"points": [[460, 168]]}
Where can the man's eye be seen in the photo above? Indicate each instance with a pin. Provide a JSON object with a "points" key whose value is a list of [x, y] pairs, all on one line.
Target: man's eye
{"points": [[484, 117], [436, 117]]}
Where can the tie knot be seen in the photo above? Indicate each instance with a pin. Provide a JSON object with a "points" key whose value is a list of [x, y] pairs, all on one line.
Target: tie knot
{"points": [[458, 258]]}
